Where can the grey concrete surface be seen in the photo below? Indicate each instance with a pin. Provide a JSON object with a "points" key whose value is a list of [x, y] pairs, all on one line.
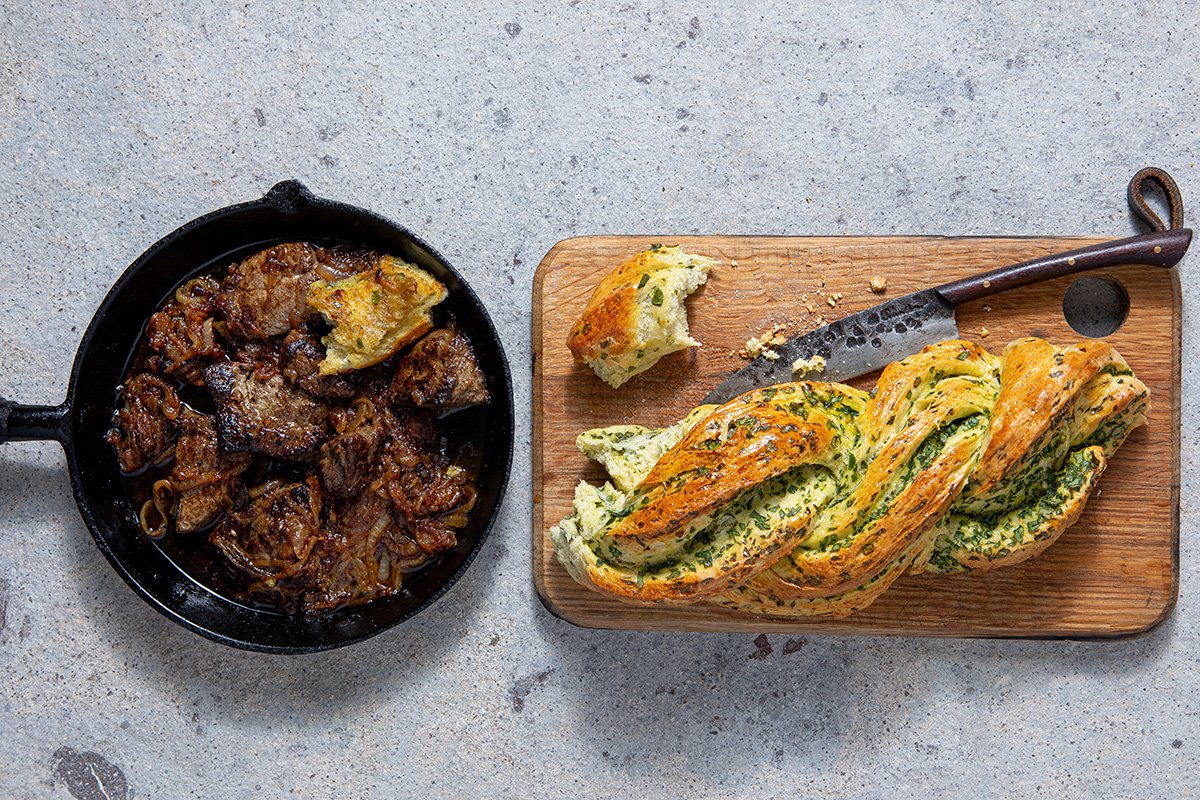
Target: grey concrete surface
{"points": [[495, 130]]}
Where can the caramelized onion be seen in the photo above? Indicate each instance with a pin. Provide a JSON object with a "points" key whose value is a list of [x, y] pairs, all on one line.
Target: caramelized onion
{"points": [[258, 491]]}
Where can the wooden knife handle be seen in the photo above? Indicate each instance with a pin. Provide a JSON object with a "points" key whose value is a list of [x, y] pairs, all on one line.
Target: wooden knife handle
{"points": [[1159, 249]]}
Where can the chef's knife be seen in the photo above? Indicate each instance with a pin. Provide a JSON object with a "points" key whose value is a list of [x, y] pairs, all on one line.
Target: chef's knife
{"points": [[870, 339]]}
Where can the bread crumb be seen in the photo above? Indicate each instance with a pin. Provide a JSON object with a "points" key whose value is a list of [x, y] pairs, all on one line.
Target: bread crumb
{"points": [[803, 365], [987, 308], [983, 332], [878, 284], [765, 345], [831, 301], [733, 262]]}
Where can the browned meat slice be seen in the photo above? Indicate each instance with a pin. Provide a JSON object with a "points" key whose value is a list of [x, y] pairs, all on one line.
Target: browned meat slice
{"points": [[144, 428], [202, 477], [348, 461], [440, 371], [363, 516], [265, 294], [430, 494], [272, 537], [182, 332], [300, 358], [264, 416], [261, 354]]}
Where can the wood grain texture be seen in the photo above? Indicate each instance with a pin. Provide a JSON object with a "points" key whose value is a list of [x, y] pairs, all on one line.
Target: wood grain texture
{"points": [[1112, 575]]}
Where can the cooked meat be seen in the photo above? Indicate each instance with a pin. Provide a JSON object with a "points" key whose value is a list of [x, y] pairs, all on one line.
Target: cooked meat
{"points": [[300, 359], [264, 416], [422, 481], [440, 371], [355, 489], [308, 566], [272, 537], [144, 428], [266, 294], [348, 461], [182, 332], [354, 564], [262, 355], [202, 477], [364, 515], [368, 558], [431, 495]]}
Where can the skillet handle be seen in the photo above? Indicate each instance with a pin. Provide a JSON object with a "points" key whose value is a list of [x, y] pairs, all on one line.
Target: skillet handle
{"points": [[20, 423]]}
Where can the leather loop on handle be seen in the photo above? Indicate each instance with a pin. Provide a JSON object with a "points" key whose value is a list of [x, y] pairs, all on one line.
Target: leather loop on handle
{"points": [[1139, 206]]}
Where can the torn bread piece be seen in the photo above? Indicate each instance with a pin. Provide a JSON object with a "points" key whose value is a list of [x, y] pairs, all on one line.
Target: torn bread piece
{"points": [[636, 315], [374, 313]]}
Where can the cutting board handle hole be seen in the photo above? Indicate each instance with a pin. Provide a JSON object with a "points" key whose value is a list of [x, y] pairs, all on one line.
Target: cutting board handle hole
{"points": [[1095, 307]]}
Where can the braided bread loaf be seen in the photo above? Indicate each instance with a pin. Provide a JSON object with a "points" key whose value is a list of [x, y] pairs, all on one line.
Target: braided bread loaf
{"points": [[811, 498]]}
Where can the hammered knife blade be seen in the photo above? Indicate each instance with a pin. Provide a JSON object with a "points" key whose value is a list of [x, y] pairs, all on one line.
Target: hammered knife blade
{"points": [[870, 339]]}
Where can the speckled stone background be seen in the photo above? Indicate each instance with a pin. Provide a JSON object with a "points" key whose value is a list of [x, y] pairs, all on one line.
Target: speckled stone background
{"points": [[495, 131]]}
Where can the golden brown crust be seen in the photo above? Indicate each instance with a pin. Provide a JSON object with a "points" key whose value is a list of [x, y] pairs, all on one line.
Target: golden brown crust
{"points": [[610, 316], [668, 547], [374, 313], [740, 445], [1039, 384], [915, 399], [606, 320]]}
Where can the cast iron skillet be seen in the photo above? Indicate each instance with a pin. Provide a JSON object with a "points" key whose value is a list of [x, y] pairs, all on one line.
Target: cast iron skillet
{"points": [[288, 212]]}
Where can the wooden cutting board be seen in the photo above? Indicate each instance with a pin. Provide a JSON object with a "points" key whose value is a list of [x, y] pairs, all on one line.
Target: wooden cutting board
{"points": [[1113, 575]]}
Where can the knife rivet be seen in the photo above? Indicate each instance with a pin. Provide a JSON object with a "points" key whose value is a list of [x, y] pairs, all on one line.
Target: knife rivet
{"points": [[1071, 261], [986, 284], [1157, 248]]}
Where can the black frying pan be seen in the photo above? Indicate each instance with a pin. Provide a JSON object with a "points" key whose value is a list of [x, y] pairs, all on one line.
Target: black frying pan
{"points": [[287, 213]]}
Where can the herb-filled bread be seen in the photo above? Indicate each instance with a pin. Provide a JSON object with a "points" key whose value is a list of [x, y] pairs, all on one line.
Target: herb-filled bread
{"points": [[812, 498]]}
